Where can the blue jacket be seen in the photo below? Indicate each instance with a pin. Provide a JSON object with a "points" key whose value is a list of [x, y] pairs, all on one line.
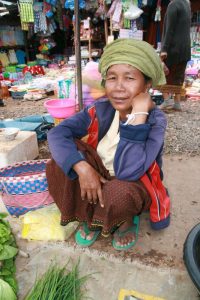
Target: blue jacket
{"points": [[138, 154], [138, 148]]}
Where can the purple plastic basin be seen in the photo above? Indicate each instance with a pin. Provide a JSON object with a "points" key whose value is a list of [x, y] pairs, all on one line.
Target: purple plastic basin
{"points": [[60, 108]]}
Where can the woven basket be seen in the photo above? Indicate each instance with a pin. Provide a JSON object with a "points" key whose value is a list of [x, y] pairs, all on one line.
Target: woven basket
{"points": [[20, 204], [24, 186]]}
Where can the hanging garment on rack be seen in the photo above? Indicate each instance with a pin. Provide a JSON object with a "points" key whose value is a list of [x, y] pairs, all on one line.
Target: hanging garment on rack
{"points": [[11, 38], [60, 16], [6, 36], [12, 57], [40, 23], [157, 17], [26, 11], [21, 57], [19, 36], [4, 59], [24, 26]]}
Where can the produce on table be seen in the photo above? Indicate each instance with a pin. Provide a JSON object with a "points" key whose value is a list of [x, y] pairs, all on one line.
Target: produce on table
{"points": [[8, 251]]}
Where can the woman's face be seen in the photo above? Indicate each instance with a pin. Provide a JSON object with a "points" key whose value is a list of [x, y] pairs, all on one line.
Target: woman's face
{"points": [[123, 83]]}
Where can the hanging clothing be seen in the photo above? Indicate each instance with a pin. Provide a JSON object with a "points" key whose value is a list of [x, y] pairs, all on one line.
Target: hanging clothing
{"points": [[26, 11], [40, 23], [21, 55], [12, 56], [4, 59]]}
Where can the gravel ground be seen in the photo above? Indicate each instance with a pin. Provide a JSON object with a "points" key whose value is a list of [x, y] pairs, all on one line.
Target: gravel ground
{"points": [[182, 136], [183, 131]]}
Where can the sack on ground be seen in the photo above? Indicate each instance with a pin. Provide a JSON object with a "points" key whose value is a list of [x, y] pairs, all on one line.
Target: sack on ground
{"points": [[44, 225]]}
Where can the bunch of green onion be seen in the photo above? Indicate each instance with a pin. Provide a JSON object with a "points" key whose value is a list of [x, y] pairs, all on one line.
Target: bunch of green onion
{"points": [[56, 284]]}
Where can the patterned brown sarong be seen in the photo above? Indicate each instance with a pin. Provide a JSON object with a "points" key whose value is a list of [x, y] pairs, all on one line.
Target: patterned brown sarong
{"points": [[122, 199], [175, 80]]}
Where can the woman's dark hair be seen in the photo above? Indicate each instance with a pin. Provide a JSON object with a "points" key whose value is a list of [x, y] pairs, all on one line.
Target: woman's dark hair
{"points": [[146, 78]]}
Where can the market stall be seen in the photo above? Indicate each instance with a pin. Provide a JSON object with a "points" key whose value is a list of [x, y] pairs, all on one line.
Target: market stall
{"points": [[47, 32]]}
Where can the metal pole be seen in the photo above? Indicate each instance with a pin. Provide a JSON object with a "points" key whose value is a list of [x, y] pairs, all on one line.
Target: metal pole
{"points": [[78, 53]]}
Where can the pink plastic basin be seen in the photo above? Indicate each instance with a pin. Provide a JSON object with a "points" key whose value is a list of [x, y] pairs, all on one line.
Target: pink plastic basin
{"points": [[60, 108], [191, 71]]}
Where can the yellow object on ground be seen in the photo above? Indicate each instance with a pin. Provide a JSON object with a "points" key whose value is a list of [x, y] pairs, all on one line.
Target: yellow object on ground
{"points": [[44, 225], [134, 295]]}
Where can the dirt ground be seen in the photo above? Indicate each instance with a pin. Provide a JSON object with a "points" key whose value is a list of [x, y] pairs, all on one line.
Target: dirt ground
{"points": [[155, 265]]}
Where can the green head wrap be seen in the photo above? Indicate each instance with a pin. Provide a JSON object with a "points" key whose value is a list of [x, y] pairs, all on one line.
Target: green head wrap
{"points": [[138, 54]]}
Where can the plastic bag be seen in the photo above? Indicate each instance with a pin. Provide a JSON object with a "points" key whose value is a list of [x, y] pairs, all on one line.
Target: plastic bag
{"points": [[44, 225], [133, 12]]}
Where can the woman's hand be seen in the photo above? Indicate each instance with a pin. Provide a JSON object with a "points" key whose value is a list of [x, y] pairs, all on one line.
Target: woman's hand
{"points": [[90, 183], [142, 103]]}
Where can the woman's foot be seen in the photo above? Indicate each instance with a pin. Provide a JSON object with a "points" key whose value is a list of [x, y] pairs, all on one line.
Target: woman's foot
{"points": [[167, 104], [85, 237], [126, 235], [177, 106]]}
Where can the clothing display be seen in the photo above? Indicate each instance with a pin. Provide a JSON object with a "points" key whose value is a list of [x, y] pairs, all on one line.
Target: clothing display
{"points": [[40, 23], [194, 31], [11, 36], [125, 18], [26, 11], [12, 57], [20, 56], [4, 59]]}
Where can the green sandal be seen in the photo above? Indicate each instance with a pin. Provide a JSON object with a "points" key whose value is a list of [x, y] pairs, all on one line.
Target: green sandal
{"points": [[83, 242], [134, 229]]}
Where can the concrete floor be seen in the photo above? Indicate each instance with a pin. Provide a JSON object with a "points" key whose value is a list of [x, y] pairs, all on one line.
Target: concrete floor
{"points": [[154, 266]]}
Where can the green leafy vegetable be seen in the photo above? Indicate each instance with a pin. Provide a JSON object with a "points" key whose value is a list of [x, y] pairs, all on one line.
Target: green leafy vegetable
{"points": [[4, 233], [3, 215], [8, 252], [6, 292], [55, 284], [12, 282]]}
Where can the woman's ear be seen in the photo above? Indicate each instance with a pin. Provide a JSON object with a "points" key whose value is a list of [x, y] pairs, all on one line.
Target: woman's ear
{"points": [[148, 86]]}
